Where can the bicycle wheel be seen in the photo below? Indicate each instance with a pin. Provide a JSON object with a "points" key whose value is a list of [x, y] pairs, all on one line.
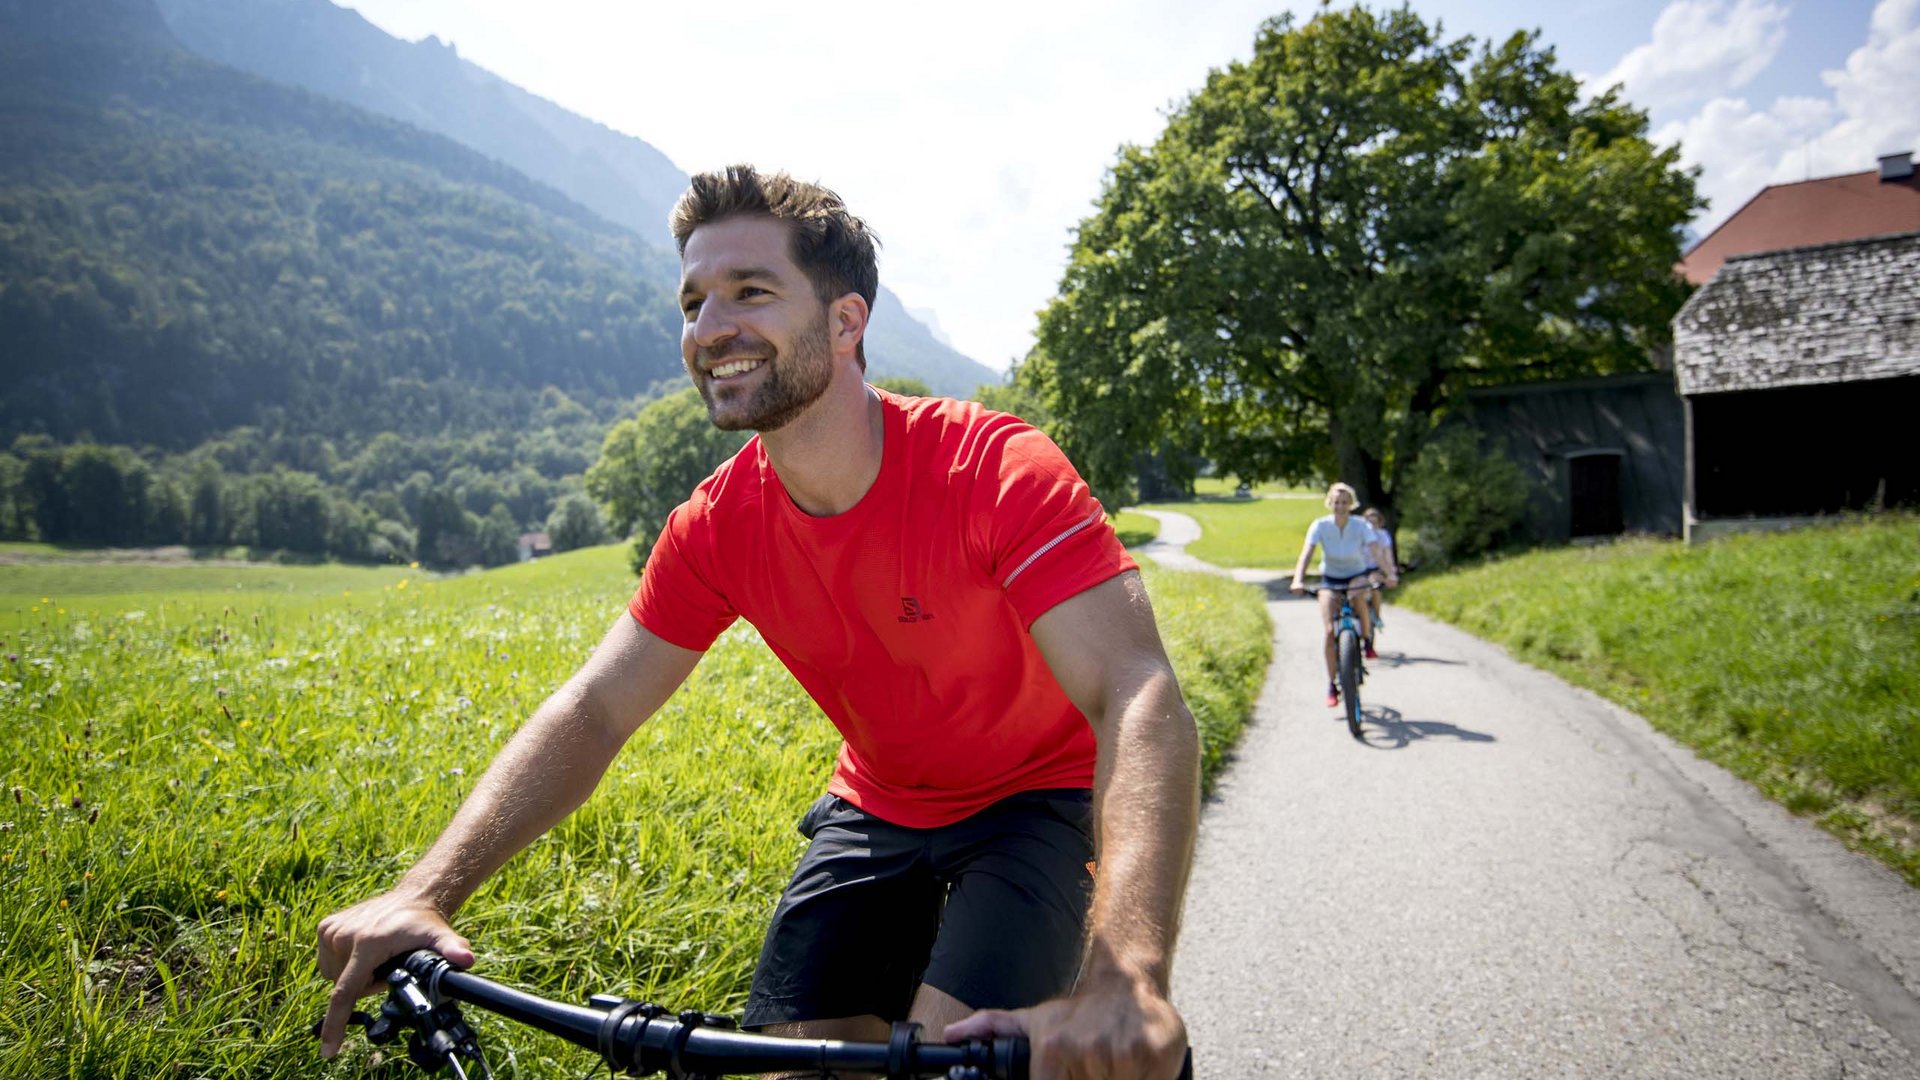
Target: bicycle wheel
{"points": [[1350, 679]]}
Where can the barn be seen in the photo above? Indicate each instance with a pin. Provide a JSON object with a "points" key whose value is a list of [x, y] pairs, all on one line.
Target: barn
{"points": [[1602, 456], [1799, 370], [1793, 371]]}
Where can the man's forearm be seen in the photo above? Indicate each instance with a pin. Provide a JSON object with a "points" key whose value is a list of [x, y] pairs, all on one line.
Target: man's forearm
{"points": [[549, 767], [1147, 792]]}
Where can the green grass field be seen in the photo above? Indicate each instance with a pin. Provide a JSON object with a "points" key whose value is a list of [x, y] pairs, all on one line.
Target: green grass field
{"points": [[1793, 659], [1135, 529], [200, 762], [1250, 532]]}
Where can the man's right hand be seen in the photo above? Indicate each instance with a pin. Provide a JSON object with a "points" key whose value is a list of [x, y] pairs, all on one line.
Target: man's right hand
{"points": [[1297, 586], [356, 941]]}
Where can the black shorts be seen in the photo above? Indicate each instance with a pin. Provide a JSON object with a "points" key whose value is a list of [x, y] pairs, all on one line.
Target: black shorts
{"points": [[1342, 584], [991, 909]]}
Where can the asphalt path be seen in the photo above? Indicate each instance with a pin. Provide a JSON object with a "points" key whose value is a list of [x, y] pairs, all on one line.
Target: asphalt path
{"points": [[1510, 877]]}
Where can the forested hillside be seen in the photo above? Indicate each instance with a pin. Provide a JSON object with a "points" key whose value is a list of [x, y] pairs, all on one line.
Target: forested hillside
{"points": [[336, 52], [237, 313], [185, 249]]}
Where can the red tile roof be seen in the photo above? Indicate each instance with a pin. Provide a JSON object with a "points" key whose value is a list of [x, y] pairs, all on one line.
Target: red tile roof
{"points": [[1822, 211]]}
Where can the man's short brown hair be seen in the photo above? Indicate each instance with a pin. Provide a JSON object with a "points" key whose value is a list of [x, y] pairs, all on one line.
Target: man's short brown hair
{"points": [[832, 247]]}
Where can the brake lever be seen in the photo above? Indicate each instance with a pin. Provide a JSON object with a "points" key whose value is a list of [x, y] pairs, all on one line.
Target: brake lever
{"points": [[378, 1030]]}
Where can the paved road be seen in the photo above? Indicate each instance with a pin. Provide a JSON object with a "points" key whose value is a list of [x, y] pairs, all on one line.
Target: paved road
{"points": [[1514, 878]]}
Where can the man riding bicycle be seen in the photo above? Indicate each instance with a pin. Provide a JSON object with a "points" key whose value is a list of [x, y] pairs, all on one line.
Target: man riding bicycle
{"points": [[942, 583], [1346, 544]]}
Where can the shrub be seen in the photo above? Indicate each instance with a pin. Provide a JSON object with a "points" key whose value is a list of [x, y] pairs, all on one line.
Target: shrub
{"points": [[1461, 500], [576, 523]]}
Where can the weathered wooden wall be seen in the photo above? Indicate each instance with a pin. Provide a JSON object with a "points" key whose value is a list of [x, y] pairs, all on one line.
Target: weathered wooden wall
{"points": [[1542, 425]]}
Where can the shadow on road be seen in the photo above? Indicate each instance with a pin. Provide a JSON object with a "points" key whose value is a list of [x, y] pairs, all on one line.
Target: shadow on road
{"points": [[1278, 589], [1402, 660], [1384, 729]]}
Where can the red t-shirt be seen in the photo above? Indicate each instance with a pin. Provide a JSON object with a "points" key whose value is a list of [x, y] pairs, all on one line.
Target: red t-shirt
{"points": [[906, 617]]}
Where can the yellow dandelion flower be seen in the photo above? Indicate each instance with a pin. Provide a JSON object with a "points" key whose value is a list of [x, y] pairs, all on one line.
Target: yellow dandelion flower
{"points": [[220, 895], [403, 583], [413, 566], [63, 903]]}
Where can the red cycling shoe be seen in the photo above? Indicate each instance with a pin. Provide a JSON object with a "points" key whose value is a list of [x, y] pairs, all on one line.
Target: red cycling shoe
{"points": [[1333, 697]]}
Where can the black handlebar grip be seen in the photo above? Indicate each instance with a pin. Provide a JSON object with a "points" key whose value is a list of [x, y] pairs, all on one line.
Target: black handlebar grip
{"points": [[1186, 1067]]}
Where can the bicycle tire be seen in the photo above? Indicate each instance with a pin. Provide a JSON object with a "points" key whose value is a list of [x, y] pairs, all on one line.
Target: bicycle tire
{"points": [[1350, 679]]}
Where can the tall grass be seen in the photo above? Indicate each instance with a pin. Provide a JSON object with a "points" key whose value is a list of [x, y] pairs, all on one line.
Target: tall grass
{"points": [[195, 775], [1792, 658]]}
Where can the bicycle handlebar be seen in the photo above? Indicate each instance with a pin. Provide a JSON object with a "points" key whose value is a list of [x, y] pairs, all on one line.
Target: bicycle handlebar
{"points": [[644, 1039]]}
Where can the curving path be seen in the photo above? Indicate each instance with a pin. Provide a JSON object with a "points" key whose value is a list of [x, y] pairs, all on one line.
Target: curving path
{"points": [[1514, 878]]}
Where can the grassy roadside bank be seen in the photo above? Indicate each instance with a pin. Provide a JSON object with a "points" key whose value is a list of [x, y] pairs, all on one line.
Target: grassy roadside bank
{"points": [[193, 776], [1792, 659]]}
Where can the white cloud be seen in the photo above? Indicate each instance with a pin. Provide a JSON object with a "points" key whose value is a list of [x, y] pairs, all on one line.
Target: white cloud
{"points": [[1874, 110], [1878, 92], [1700, 49]]}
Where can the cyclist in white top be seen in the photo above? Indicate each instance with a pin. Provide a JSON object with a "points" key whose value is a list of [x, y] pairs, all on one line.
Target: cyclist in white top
{"points": [[1347, 543]]}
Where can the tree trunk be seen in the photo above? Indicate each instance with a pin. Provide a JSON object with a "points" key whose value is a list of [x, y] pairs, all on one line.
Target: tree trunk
{"points": [[1359, 469]]}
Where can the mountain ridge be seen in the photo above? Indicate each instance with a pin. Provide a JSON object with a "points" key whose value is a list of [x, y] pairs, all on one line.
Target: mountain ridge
{"points": [[337, 52]]}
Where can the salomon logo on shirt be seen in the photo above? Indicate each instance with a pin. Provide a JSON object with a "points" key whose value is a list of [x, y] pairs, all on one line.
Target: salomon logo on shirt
{"points": [[910, 610]]}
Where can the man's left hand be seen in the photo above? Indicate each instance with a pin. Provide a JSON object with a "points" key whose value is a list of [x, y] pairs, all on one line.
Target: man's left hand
{"points": [[1114, 1028]]}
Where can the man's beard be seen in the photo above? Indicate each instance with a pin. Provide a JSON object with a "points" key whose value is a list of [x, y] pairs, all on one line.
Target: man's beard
{"points": [[793, 380]]}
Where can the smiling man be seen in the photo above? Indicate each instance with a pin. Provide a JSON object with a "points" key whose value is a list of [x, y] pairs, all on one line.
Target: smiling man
{"points": [[1004, 844]]}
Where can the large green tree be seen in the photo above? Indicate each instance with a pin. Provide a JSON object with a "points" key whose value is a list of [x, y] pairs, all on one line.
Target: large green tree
{"points": [[1333, 239]]}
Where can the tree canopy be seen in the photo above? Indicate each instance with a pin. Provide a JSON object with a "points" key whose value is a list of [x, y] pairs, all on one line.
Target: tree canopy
{"points": [[1333, 239], [651, 462]]}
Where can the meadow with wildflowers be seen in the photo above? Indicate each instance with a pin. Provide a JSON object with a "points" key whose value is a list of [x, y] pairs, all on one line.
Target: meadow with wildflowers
{"points": [[200, 762]]}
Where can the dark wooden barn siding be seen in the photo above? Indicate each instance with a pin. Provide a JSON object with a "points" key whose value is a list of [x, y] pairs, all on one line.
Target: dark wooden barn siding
{"points": [[1541, 427]]}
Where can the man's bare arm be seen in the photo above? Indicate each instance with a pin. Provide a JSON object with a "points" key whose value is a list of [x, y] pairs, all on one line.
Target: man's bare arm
{"points": [[1105, 650], [545, 772]]}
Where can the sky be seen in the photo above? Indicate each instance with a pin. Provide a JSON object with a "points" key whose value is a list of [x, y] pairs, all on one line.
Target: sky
{"points": [[974, 137]]}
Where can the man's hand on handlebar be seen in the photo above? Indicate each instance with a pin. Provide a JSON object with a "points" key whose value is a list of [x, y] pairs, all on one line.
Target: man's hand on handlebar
{"points": [[1115, 1027], [356, 941], [1298, 586]]}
